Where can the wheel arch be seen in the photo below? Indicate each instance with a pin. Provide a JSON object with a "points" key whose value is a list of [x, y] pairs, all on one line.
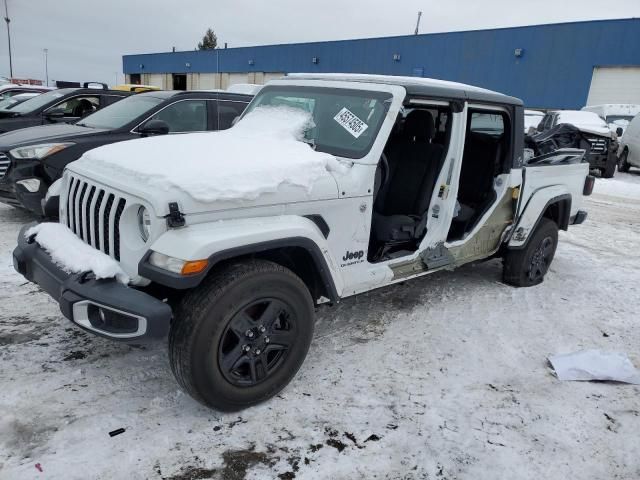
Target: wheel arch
{"points": [[556, 208], [295, 243], [299, 254]]}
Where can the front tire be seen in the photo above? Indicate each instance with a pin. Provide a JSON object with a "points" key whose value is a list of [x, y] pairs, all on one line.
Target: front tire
{"points": [[241, 336], [623, 163], [528, 266], [610, 169]]}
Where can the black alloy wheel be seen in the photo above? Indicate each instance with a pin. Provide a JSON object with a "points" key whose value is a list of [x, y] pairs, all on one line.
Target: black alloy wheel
{"points": [[540, 260], [256, 341]]}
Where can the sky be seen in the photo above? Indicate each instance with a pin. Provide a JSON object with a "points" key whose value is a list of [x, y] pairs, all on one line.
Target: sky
{"points": [[86, 39]]}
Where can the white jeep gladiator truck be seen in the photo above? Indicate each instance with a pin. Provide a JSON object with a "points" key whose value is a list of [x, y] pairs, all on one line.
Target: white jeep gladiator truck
{"points": [[404, 177]]}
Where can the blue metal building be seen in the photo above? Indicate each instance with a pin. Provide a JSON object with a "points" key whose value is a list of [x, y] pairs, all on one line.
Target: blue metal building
{"points": [[548, 66]]}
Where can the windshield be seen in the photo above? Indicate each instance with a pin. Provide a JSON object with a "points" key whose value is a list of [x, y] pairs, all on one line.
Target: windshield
{"points": [[7, 103], [346, 121], [40, 101], [117, 115]]}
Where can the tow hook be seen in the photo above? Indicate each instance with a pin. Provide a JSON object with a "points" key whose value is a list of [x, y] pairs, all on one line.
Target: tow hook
{"points": [[175, 219]]}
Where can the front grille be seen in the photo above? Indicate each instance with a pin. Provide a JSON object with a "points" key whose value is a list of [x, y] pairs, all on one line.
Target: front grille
{"points": [[598, 145], [4, 164], [93, 214]]}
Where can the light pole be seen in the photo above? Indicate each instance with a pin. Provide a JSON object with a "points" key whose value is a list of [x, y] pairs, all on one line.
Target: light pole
{"points": [[46, 64], [6, 19]]}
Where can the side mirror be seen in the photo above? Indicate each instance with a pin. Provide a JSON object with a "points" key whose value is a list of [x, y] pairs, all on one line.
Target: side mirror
{"points": [[154, 127], [619, 131], [55, 114]]}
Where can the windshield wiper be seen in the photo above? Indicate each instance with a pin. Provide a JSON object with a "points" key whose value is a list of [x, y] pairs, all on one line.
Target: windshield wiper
{"points": [[310, 141]]}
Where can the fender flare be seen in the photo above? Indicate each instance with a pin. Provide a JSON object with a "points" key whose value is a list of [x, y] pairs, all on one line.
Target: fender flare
{"points": [[534, 211], [285, 231]]}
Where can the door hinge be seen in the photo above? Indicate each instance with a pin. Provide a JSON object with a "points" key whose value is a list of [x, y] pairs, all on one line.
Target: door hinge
{"points": [[175, 219]]}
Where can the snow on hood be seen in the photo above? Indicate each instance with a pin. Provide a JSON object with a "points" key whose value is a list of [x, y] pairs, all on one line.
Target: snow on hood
{"points": [[587, 122], [260, 153]]}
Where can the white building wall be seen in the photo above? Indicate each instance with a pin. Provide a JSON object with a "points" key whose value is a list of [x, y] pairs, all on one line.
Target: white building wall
{"points": [[207, 81], [614, 85]]}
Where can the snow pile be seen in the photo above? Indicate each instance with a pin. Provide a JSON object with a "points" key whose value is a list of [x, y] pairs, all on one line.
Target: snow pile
{"points": [[72, 254], [259, 154], [624, 185]]}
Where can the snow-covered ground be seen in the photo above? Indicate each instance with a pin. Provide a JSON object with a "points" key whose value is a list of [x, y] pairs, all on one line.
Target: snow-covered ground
{"points": [[441, 378]]}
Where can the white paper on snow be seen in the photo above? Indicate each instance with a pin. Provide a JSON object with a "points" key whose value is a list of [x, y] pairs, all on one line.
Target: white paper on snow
{"points": [[588, 365]]}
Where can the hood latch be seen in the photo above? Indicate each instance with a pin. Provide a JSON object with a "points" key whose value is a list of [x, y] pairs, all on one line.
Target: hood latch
{"points": [[175, 219]]}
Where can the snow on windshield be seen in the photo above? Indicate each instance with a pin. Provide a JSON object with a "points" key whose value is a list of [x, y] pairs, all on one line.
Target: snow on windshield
{"points": [[263, 151]]}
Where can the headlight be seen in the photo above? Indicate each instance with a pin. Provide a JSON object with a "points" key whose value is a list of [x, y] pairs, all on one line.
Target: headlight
{"points": [[166, 263], [38, 152], [175, 265], [144, 223]]}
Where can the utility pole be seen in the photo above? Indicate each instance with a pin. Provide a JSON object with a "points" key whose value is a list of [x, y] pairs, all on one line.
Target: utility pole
{"points": [[6, 19], [46, 64], [418, 24]]}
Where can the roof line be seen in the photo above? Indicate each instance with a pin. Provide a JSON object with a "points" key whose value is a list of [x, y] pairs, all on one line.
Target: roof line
{"points": [[517, 27]]}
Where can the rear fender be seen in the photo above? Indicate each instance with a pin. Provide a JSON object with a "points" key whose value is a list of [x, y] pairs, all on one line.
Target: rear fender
{"points": [[537, 205]]}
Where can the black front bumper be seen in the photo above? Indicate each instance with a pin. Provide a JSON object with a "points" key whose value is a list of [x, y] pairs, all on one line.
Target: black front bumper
{"points": [[85, 300]]}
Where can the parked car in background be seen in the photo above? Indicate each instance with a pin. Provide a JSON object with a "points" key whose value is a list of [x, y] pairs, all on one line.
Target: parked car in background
{"points": [[11, 89], [11, 102], [58, 106], [532, 119], [630, 146], [617, 115], [246, 88], [602, 154], [132, 87], [31, 159]]}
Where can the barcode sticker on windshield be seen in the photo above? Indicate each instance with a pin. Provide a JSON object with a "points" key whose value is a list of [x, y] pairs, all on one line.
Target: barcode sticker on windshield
{"points": [[350, 122]]}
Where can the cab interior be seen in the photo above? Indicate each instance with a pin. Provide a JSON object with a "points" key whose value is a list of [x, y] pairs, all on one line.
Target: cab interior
{"points": [[408, 171]]}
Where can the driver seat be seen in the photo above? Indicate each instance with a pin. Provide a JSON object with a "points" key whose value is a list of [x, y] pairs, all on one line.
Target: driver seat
{"points": [[83, 107], [402, 203]]}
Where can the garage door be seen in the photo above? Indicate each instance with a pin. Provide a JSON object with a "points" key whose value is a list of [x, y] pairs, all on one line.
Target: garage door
{"points": [[614, 85]]}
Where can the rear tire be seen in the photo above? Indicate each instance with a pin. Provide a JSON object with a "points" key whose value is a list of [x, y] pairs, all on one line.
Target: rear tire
{"points": [[241, 336], [623, 164], [527, 267]]}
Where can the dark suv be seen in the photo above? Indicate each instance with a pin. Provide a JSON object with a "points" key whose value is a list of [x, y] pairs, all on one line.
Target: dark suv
{"points": [[33, 158], [63, 105], [596, 137]]}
